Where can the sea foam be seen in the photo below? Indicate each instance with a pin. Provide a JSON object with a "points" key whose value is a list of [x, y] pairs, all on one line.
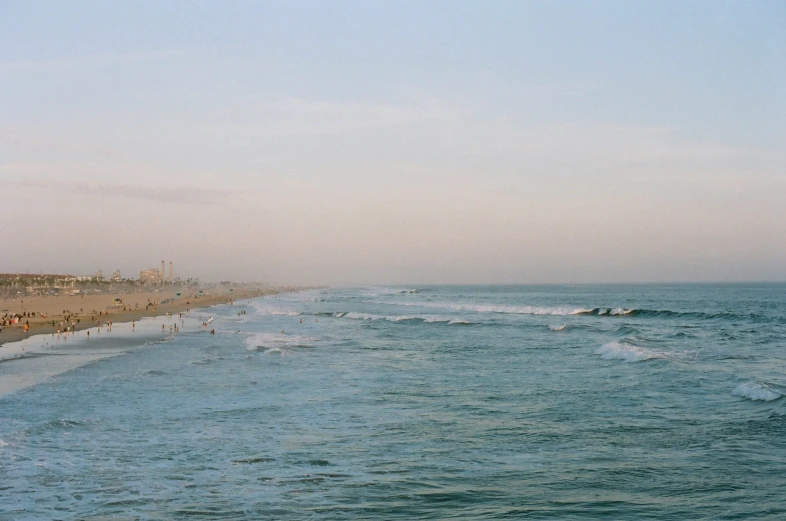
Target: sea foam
{"points": [[756, 391], [427, 319], [488, 308], [627, 352]]}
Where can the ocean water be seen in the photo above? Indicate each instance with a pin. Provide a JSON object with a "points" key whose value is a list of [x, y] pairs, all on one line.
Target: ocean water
{"points": [[519, 402]]}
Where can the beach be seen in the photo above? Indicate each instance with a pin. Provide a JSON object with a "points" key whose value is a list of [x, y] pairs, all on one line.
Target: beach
{"points": [[80, 312], [48, 349]]}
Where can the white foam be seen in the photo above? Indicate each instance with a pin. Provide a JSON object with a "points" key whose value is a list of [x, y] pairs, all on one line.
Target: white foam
{"points": [[2, 443], [370, 316], [756, 391], [359, 316], [429, 319], [490, 308], [557, 327], [627, 352]]}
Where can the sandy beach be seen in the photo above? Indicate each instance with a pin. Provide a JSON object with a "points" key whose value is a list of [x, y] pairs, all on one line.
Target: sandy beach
{"points": [[42, 352], [47, 314]]}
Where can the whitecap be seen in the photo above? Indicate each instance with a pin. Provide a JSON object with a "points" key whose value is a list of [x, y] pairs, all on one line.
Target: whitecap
{"points": [[488, 308], [361, 316], [627, 352], [2, 443], [756, 391], [558, 327], [428, 319]]}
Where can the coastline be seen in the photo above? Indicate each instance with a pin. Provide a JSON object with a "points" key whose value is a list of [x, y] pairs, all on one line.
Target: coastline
{"points": [[27, 359], [89, 311]]}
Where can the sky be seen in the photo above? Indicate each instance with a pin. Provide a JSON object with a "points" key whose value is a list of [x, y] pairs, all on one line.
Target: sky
{"points": [[407, 142]]}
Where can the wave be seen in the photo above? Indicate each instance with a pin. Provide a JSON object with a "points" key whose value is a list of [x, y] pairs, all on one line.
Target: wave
{"points": [[757, 392], [627, 352], [489, 308], [427, 319], [599, 311], [278, 341], [376, 291], [558, 327]]}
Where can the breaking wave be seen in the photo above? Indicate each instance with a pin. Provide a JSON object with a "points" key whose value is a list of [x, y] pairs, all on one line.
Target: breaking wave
{"points": [[558, 327], [426, 319], [757, 392], [600, 311], [627, 352]]}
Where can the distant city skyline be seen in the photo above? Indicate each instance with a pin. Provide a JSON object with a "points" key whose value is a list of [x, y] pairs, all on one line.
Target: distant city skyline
{"points": [[396, 143]]}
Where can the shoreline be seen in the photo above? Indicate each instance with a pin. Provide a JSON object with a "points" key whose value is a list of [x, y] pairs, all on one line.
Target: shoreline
{"points": [[158, 304], [40, 355]]}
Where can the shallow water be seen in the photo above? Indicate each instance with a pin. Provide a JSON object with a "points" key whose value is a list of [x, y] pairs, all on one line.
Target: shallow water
{"points": [[537, 402]]}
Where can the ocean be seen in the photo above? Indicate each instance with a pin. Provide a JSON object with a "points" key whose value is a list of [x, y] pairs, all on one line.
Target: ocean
{"points": [[424, 402]]}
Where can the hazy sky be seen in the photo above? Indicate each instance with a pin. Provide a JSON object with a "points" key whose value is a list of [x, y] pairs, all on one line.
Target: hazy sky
{"points": [[395, 142]]}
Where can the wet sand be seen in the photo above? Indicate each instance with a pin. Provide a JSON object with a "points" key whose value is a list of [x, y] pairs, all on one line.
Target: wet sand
{"points": [[28, 359], [88, 311]]}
